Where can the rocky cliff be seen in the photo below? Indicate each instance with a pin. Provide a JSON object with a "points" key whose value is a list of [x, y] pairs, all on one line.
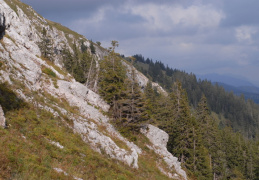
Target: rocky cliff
{"points": [[23, 69]]}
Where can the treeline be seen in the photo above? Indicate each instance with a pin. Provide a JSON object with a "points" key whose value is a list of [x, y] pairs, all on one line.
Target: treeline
{"points": [[205, 150], [82, 64], [242, 115]]}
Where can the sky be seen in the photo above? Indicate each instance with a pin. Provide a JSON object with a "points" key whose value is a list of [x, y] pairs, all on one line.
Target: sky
{"points": [[199, 36]]}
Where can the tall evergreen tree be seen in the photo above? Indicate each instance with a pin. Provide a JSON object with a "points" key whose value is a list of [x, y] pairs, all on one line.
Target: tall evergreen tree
{"points": [[46, 46], [134, 113], [112, 79], [182, 127]]}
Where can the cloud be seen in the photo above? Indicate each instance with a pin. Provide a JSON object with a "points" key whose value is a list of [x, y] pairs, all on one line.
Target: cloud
{"points": [[245, 34], [240, 13], [166, 18]]}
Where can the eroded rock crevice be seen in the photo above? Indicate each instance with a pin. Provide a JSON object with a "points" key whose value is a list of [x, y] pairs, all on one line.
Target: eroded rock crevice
{"points": [[2, 26]]}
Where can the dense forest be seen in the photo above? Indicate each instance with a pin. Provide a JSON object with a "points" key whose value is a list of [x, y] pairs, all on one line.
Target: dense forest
{"points": [[240, 114], [213, 133]]}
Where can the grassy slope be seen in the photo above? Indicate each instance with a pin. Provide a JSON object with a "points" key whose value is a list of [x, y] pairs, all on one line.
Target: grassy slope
{"points": [[26, 152]]}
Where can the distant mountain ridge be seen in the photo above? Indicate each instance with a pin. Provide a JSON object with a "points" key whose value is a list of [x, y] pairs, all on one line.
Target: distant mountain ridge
{"points": [[249, 92], [237, 85], [226, 79]]}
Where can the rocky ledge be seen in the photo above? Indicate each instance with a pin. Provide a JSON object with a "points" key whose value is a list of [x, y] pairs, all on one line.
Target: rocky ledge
{"points": [[159, 139]]}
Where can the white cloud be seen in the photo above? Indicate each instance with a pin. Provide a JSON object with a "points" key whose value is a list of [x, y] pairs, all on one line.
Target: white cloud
{"points": [[168, 17], [97, 17], [245, 33]]}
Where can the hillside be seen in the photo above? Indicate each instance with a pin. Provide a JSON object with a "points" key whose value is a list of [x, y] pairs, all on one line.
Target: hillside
{"points": [[55, 127], [71, 109]]}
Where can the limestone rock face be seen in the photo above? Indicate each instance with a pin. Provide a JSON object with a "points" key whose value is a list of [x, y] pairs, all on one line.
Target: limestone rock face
{"points": [[157, 136], [2, 118], [159, 139], [142, 79]]}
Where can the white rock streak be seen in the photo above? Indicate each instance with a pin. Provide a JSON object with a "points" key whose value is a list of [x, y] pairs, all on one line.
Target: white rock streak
{"points": [[59, 170], [159, 139], [56, 144]]}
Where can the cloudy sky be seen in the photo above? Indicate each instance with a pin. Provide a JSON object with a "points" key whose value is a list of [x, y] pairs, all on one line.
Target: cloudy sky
{"points": [[199, 36]]}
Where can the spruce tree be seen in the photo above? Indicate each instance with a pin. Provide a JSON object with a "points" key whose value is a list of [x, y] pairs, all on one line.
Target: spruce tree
{"points": [[182, 127], [133, 107], [92, 48], [68, 59], [46, 46], [111, 81]]}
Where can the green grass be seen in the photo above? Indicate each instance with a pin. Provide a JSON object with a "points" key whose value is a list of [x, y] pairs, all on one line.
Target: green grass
{"points": [[33, 157], [12, 4], [27, 154], [49, 72]]}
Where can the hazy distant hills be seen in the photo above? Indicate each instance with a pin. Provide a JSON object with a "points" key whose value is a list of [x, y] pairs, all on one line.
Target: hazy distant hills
{"points": [[226, 79], [237, 85]]}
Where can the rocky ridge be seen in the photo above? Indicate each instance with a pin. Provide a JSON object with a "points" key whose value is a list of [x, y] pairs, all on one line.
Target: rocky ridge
{"points": [[22, 62]]}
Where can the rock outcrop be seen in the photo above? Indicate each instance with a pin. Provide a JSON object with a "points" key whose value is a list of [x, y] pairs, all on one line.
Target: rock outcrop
{"points": [[159, 139], [142, 79], [2, 118], [2, 25]]}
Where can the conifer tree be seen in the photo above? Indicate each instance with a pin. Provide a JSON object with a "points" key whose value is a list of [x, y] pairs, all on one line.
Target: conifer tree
{"points": [[112, 79], [182, 126], [150, 99], [133, 108], [68, 59], [209, 135], [123, 94], [92, 47], [46, 45]]}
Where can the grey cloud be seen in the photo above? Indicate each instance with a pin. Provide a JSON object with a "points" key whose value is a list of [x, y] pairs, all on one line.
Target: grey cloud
{"points": [[241, 12]]}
